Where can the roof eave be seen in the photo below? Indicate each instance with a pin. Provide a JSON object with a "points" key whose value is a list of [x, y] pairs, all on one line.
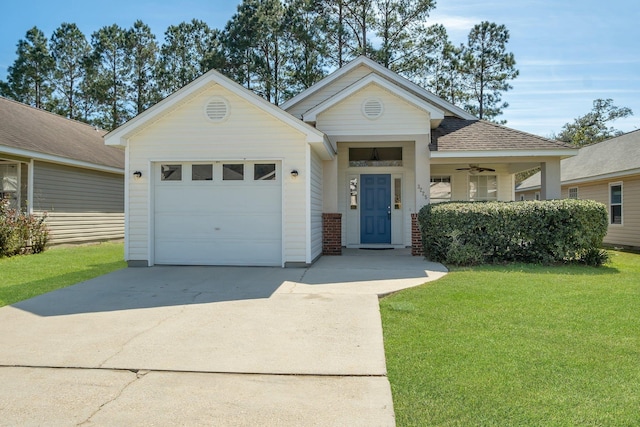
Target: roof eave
{"points": [[451, 154], [60, 160]]}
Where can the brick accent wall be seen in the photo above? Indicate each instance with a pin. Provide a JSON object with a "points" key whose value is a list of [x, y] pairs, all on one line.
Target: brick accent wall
{"points": [[416, 236], [331, 234]]}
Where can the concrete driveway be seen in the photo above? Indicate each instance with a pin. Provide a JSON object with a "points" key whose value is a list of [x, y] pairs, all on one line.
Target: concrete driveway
{"points": [[208, 346]]}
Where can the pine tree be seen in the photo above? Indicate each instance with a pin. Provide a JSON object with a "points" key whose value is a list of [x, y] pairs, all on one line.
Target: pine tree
{"points": [[113, 70], [488, 67], [69, 48], [142, 54], [29, 78]]}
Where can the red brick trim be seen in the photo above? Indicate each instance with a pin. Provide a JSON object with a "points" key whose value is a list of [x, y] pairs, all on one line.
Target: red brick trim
{"points": [[416, 236], [331, 234]]}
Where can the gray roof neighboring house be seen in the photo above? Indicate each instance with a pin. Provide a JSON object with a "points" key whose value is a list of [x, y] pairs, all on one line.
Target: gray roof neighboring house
{"points": [[612, 158], [31, 132], [456, 134]]}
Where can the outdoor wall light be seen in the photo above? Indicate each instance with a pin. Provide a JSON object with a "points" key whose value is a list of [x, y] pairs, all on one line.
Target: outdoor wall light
{"points": [[137, 174], [294, 173]]}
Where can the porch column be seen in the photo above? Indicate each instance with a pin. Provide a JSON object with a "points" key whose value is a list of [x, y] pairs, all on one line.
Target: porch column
{"points": [[422, 169], [330, 185], [550, 180]]}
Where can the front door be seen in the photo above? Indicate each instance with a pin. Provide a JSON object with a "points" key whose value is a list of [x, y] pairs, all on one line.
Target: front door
{"points": [[375, 210]]}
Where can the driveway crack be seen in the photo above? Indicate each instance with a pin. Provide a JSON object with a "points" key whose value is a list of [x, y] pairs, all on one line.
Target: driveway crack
{"points": [[139, 374], [122, 347]]}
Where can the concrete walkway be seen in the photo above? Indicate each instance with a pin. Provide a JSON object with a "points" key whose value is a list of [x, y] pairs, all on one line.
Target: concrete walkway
{"points": [[208, 346]]}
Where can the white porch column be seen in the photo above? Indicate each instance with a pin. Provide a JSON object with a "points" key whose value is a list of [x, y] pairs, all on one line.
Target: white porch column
{"points": [[550, 180], [423, 171], [330, 185]]}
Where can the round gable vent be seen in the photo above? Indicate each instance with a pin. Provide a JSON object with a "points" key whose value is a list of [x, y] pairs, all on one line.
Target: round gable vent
{"points": [[217, 109], [372, 108]]}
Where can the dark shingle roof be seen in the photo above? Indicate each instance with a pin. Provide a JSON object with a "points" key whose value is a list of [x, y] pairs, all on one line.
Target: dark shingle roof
{"points": [[456, 134], [27, 128]]}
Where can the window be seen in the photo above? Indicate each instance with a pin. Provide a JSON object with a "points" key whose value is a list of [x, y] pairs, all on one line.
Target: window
{"points": [[537, 195], [201, 172], [353, 193], [375, 156], [483, 187], [615, 203], [9, 184], [233, 172], [397, 198], [440, 189], [573, 192], [264, 172], [522, 197], [171, 172]]}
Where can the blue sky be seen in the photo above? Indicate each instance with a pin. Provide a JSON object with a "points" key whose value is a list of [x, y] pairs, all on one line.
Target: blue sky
{"points": [[569, 52]]}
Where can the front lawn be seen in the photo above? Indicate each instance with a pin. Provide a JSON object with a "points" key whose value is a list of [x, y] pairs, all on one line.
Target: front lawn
{"points": [[518, 345], [25, 276]]}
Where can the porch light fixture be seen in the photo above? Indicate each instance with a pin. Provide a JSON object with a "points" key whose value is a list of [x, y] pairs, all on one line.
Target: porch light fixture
{"points": [[137, 174], [294, 173]]}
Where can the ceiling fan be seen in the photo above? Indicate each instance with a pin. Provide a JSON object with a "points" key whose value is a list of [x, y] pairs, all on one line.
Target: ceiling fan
{"points": [[473, 169]]}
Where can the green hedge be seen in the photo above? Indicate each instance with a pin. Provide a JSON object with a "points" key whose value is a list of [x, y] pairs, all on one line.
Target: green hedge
{"points": [[464, 233]]}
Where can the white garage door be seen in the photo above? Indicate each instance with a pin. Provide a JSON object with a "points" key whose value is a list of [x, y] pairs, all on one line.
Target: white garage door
{"points": [[218, 213]]}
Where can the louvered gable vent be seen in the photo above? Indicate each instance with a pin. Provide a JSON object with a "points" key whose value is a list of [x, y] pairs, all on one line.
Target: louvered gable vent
{"points": [[217, 109], [372, 108]]}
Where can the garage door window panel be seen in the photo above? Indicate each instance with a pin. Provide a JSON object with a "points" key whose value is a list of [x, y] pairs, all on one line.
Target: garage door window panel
{"points": [[264, 172], [202, 172], [171, 172], [233, 172]]}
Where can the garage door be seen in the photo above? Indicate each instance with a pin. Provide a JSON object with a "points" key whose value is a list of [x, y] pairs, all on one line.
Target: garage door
{"points": [[218, 213]]}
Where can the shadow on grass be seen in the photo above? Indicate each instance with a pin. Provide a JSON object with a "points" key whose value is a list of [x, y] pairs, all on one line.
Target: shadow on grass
{"points": [[26, 290]]}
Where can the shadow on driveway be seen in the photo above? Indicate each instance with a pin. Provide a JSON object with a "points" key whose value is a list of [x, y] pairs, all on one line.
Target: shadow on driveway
{"points": [[161, 286]]}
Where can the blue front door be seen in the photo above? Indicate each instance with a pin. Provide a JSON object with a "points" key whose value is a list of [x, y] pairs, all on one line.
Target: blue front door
{"points": [[375, 209]]}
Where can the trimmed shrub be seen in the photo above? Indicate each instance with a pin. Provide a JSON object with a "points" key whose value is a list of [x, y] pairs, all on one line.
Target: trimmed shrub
{"points": [[21, 233], [534, 232]]}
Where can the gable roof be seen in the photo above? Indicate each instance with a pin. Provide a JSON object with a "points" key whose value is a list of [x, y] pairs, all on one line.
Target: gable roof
{"points": [[29, 132], [387, 74], [612, 158], [456, 134], [314, 137], [373, 79]]}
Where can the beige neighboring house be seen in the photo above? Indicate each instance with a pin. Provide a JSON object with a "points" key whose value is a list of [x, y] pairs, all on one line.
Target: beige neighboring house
{"points": [[217, 175], [608, 172], [51, 164]]}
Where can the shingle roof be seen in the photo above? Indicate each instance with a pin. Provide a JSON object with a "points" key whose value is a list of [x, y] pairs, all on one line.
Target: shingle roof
{"points": [[27, 128], [617, 155], [456, 134]]}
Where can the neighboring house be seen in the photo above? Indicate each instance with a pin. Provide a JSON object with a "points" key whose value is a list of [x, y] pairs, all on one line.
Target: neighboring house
{"points": [[52, 164], [608, 172], [218, 175]]}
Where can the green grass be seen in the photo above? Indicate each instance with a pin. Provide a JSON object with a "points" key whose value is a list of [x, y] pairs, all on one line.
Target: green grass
{"points": [[25, 276], [518, 345]]}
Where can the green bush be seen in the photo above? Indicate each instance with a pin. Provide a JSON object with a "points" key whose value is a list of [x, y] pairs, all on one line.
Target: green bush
{"points": [[21, 233], [534, 232]]}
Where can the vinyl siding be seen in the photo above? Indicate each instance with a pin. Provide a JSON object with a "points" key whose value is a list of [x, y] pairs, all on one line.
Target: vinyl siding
{"points": [[185, 134], [627, 233], [82, 205], [398, 118], [316, 205], [327, 92]]}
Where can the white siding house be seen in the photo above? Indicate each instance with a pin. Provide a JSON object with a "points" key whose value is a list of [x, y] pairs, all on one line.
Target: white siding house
{"points": [[351, 161]]}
